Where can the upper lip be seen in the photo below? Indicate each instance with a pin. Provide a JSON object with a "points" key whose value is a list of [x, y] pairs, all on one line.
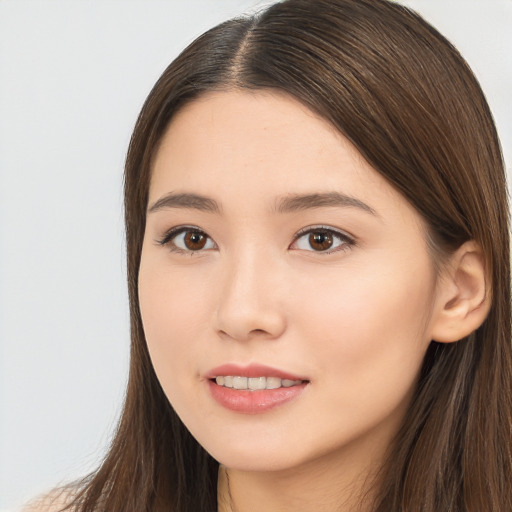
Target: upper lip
{"points": [[251, 370]]}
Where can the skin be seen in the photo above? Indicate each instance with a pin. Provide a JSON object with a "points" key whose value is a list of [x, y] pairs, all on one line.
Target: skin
{"points": [[355, 322]]}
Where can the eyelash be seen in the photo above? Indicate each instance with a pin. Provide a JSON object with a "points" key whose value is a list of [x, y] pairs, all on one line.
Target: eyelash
{"points": [[170, 235], [346, 240]]}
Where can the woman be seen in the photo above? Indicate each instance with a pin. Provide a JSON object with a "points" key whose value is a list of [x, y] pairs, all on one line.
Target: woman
{"points": [[319, 275]]}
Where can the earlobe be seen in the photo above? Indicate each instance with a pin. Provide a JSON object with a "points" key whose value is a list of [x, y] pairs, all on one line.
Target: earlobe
{"points": [[463, 295]]}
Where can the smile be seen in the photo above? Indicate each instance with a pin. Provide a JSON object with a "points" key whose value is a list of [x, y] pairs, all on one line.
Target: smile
{"points": [[254, 388], [255, 383]]}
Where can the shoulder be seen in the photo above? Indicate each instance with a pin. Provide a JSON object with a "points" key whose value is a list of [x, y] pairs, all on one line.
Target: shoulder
{"points": [[55, 501]]}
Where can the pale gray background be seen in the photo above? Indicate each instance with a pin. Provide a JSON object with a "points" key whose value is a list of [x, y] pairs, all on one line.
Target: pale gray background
{"points": [[73, 75]]}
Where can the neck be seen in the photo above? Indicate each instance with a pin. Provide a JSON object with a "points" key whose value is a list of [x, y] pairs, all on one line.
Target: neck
{"points": [[312, 487]]}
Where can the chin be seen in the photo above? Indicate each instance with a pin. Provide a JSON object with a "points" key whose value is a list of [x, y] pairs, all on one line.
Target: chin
{"points": [[257, 462], [254, 456]]}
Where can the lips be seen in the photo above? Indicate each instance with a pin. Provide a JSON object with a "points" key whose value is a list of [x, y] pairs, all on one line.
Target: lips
{"points": [[253, 389], [255, 383], [252, 370]]}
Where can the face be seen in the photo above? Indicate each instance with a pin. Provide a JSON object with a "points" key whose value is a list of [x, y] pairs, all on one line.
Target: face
{"points": [[277, 259]]}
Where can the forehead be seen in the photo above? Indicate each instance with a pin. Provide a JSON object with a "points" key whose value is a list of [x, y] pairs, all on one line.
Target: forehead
{"points": [[244, 147], [250, 131]]}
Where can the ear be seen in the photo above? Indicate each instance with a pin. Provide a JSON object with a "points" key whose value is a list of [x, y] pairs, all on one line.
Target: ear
{"points": [[463, 295]]}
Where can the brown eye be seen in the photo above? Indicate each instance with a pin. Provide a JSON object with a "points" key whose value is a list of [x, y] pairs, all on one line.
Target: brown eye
{"points": [[187, 240], [320, 240], [194, 241]]}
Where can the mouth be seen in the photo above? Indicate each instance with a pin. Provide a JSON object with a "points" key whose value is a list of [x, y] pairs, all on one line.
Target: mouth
{"points": [[255, 388], [240, 382]]}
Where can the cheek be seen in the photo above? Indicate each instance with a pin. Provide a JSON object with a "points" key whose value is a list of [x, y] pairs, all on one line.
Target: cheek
{"points": [[171, 311], [370, 333]]}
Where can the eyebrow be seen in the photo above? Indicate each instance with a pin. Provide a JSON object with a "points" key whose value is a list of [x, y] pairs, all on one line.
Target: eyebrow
{"points": [[294, 203], [189, 201], [287, 204]]}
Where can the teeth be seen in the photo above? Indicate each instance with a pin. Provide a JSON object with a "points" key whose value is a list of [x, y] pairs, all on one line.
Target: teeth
{"points": [[255, 383], [273, 383], [240, 382]]}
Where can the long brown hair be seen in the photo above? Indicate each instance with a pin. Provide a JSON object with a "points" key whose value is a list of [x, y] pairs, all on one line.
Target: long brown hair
{"points": [[407, 100]]}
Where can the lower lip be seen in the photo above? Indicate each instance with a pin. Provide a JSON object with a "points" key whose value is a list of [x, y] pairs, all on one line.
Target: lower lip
{"points": [[253, 402]]}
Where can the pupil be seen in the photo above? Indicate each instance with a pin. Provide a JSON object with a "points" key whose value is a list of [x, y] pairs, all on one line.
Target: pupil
{"points": [[320, 241], [195, 241]]}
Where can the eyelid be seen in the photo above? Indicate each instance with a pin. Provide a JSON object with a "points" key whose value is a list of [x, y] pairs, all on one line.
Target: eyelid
{"points": [[172, 233], [348, 240]]}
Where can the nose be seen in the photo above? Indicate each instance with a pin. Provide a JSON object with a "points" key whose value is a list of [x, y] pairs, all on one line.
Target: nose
{"points": [[250, 302]]}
